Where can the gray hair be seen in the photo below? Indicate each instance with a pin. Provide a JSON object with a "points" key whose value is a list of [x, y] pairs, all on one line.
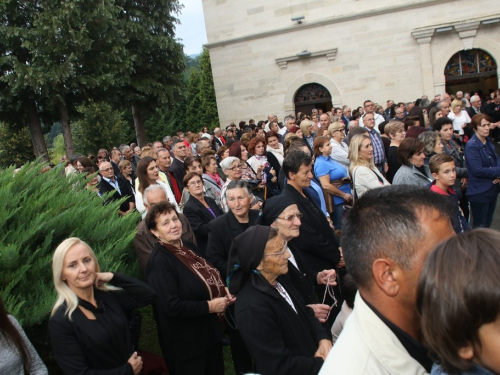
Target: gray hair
{"points": [[166, 139], [240, 184], [474, 98], [124, 148], [430, 139], [150, 189], [424, 103], [440, 103], [226, 163]]}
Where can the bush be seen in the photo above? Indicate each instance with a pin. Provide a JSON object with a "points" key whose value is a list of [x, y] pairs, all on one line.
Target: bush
{"points": [[37, 212], [15, 146]]}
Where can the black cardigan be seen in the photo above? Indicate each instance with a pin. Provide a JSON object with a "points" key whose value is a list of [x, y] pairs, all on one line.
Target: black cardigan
{"points": [[185, 327], [317, 242], [199, 217], [83, 346], [281, 341], [221, 233]]}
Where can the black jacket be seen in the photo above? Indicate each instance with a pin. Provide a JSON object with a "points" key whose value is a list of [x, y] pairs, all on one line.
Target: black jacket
{"points": [[280, 340], [185, 327], [125, 189], [317, 243], [199, 217], [82, 346], [177, 168], [221, 233], [303, 279]]}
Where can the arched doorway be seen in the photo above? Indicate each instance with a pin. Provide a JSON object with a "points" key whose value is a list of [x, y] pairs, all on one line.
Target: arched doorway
{"points": [[470, 71], [310, 96]]}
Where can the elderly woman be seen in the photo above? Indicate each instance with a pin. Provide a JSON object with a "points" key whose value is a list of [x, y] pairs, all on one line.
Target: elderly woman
{"points": [[88, 326], [413, 171], [364, 174], [199, 209], [191, 298], [282, 335], [396, 132], [306, 127], [340, 150], [459, 116], [137, 151], [483, 168], [334, 180], [282, 214], [147, 174], [433, 145], [211, 180]]}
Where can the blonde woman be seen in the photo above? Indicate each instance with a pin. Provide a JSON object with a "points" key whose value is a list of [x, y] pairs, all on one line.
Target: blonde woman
{"points": [[364, 174], [306, 126], [459, 116], [88, 325]]}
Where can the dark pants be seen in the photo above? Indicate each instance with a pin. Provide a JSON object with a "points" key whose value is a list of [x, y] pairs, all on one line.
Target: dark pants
{"points": [[482, 213], [209, 363], [242, 360], [337, 215]]}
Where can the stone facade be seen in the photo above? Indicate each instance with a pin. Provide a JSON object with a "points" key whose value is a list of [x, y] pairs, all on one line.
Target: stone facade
{"points": [[364, 49]]}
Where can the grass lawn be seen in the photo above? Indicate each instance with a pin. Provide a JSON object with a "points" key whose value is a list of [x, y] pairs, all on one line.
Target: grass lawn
{"points": [[149, 340]]}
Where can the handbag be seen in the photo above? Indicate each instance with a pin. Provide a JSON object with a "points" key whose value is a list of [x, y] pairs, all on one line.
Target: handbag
{"points": [[329, 201]]}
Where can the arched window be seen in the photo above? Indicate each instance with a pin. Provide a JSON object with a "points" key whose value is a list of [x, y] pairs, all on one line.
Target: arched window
{"points": [[312, 95], [473, 62]]}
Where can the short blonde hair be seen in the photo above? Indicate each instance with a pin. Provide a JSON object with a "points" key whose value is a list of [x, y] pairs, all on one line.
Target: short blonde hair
{"points": [[456, 103], [394, 127], [64, 293], [148, 152], [334, 126], [354, 148], [304, 124]]}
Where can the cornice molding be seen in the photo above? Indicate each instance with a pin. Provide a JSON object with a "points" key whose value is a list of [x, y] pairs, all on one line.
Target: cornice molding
{"points": [[330, 54]]}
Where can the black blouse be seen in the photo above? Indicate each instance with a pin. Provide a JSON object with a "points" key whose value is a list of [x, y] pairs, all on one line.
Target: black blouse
{"points": [[86, 346]]}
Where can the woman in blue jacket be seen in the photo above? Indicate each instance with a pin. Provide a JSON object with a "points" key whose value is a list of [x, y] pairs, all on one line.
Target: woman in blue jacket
{"points": [[483, 167]]}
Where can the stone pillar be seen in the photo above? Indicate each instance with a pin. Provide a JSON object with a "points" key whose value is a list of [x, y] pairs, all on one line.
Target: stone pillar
{"points": [[423, 37], [467, 31]]}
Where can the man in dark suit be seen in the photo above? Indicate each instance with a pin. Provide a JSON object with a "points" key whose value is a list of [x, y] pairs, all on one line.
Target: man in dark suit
{"points": [[109, 182], [221, 233], [116, 157], [475, 106], [177, 167]]}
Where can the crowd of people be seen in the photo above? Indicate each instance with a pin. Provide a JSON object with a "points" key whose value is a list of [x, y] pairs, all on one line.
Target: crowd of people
{"points": [[305, 245]]}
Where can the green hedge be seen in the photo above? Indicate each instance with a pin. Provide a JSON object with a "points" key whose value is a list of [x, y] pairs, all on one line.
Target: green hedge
{"points": [[37, 212]]}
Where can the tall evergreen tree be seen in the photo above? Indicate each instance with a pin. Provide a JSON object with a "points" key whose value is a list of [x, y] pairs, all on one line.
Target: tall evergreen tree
{"points": [[194, 101], [209, 112], [158, 61]]}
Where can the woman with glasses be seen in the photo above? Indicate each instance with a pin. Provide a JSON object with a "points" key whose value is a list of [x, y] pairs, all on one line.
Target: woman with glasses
{"points": [[281, 333], [334, 180], [282, 214], [340, 150], [199, 209], [459, 116]]}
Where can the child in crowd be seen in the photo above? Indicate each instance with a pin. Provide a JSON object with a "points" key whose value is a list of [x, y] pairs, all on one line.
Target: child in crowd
{"points": [[459, 302], [442, 167]]}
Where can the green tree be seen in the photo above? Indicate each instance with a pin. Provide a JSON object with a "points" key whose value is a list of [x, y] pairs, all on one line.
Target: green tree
{"points": [[15, 146], [19, 105], [78, 52], [193, 101], [155, 80], [57, 150], [100, 126], [209, 114]]}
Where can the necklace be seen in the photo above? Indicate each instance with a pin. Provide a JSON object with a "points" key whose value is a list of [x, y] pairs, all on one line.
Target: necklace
{"points": [[330, 291]]}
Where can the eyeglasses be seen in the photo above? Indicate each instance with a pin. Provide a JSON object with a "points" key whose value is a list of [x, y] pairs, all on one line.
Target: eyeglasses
{"points": [[239, 166], [107, 169], [285, 248], [338, 130], [195, 183], [291, 217]]}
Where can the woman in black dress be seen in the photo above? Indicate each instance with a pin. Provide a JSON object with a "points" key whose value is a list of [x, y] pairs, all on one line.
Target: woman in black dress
{"points": [[191, 299], [89, 329]]}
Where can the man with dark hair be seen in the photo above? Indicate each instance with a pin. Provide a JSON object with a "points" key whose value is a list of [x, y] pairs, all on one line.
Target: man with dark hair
{"points": [[177, 167], [413, 127], [116, 157], [317, 240], [444, 126], [386, 237], [378, 146], [369, 107]]}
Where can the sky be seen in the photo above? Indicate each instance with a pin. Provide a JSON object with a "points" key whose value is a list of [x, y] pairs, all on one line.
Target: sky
{"points": [[192, 28]]}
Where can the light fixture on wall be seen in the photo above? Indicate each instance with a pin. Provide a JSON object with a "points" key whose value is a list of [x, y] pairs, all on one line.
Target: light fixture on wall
{"points": [[304, 53], [443, 29], [494, 20], [298, 19]]}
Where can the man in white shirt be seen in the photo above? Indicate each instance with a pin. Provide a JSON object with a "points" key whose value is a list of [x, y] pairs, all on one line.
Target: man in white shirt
{"points": [[369, 107], [386, 238]]}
